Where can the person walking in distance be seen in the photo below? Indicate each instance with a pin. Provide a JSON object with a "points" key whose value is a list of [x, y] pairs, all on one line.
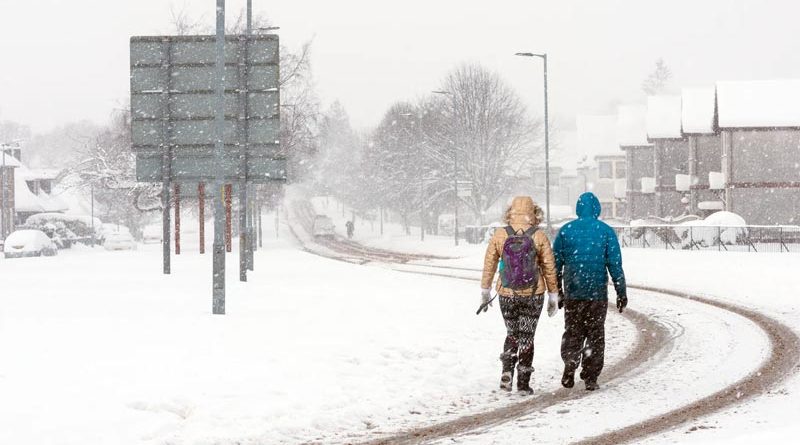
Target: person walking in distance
{"points": [[527, 271], [586, 252]]}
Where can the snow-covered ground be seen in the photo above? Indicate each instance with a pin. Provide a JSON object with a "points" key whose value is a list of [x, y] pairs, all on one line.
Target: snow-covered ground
{"points": [[99, 347]]}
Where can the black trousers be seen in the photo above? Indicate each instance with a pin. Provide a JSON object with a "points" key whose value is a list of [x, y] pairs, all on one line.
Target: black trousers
{"points": [[584, 340], [521, 316]]}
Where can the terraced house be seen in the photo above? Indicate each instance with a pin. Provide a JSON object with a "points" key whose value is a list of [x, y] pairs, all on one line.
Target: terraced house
{"points": [[734, 146]]}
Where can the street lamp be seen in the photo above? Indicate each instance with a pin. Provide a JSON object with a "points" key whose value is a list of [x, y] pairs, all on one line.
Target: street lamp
{"points": [[546, 138], [455, 169], [418, 128]]}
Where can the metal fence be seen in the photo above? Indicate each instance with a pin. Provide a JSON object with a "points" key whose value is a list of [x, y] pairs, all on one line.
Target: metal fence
{"points": [[720, 238]]}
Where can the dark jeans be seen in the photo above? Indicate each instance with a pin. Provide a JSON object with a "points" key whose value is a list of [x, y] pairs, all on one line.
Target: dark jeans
{"points": [[521, 315], [584, 340]]}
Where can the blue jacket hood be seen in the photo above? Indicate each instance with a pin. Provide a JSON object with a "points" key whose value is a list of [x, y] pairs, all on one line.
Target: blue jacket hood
{"points": [[588, 206]]}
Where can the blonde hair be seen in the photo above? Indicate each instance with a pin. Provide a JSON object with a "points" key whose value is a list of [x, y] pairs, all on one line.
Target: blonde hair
{"points": [[533, 215]]}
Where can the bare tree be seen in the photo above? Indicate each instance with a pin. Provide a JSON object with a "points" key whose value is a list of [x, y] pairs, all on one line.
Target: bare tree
{"points": [[184, 23], [488, 128]]}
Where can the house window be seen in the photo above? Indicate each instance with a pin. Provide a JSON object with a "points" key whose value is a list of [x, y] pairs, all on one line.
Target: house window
{"points": [[605, 170], [621, 171]]}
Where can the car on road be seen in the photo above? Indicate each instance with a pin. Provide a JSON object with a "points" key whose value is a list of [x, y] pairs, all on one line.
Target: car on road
{"points": [[28, 243], [323, 227], [119, 241]]}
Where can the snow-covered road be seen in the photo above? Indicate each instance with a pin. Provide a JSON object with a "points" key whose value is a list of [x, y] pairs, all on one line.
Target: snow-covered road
{"points": [[98, 347]]}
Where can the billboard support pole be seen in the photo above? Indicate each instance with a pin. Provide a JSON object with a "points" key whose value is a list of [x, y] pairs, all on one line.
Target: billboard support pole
{"points": [[218, 288], [201, 196], [166, 161], [177, 218]]}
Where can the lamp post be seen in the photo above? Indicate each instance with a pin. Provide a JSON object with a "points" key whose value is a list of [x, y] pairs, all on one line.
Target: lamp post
{"points": [[546, 137], [455, 169]]}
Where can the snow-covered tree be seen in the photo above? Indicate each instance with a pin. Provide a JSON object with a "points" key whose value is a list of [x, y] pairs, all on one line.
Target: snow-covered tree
{"points": [[488, 128], [657, 80]]}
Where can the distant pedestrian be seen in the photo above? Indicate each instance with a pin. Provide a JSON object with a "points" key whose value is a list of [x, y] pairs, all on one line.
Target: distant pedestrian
{"points": [[350, 229], [586, 252], [527, 270]]}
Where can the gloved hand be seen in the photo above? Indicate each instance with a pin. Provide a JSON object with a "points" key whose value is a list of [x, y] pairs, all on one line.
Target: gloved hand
{"points": [[552, 303], [486, 299], [622, 302], [560, 299]]}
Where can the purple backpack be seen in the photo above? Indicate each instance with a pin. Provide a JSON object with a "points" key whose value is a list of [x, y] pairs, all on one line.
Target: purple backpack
{"points": [[518, 266]]}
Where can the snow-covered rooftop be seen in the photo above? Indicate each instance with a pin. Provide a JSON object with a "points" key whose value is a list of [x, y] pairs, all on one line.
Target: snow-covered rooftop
{"points": [[759, 103], [24, 199], [631, 126], [8, 160], [697, 110], [597, 135], [664, 117], [41, 173]]}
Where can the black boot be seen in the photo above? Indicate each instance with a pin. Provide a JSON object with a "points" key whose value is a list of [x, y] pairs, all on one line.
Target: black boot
{"points": [[568, 378], [505, 380], [509, 360], [524, 379], [591, 384]]}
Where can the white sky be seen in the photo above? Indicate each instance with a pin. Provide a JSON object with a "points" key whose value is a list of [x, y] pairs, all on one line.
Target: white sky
{"points": [[65, 60]]}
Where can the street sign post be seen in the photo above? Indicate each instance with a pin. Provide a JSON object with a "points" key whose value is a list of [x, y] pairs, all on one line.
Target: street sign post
{"points": [[207, 109]]}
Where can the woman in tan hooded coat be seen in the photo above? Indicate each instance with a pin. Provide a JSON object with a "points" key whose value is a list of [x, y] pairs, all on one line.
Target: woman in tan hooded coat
{"points": [[521, 307]]}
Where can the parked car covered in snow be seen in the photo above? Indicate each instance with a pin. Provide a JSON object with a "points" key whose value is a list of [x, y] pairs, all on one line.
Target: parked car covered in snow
{"points": [[119, 241], [151, 234], [66, 230], [28, 243], [323, 227]]}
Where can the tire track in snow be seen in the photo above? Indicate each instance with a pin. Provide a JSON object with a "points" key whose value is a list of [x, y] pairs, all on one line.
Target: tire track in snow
{"points": [[782, 361]]}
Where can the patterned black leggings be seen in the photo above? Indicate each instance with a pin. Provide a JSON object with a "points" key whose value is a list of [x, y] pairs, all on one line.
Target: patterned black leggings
{"points": [[521, 315]]}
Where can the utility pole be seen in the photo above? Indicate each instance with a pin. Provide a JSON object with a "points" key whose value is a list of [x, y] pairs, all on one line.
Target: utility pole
{"points": [[543, 56], [455, 166], [218, 289], [244, 246], [91, 185]]}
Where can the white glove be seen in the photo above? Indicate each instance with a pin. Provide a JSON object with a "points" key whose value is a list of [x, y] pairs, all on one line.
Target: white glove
{"points": [[552, 303], [486, 299]]}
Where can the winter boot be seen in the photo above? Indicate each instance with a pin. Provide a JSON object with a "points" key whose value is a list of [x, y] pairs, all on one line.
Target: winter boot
{"points": [[568, 378], [505, 380], [591, 384], [524, 379]]}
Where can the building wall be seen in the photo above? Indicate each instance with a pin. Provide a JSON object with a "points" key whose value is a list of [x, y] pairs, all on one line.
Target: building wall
{"points": [[764, 183], [640, 205], [7, 206], [672, 159], [709, 159], [639, 164]]}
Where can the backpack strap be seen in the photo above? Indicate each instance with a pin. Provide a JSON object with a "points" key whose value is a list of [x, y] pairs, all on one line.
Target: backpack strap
{"points": [[510, 231], [530, 232]]}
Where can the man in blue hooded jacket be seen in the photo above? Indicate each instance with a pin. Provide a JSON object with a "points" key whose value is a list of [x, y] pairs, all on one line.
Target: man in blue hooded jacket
{"points": [[586, 251]]}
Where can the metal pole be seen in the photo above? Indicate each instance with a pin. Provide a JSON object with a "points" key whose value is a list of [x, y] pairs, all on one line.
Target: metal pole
{"points": [[201, 193], [228, 217], [177, 219], [422, 211], [218, 305], [546, 150], [166, 158], [91, 185], [244, 237], [3, 195], [455, 186]]}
